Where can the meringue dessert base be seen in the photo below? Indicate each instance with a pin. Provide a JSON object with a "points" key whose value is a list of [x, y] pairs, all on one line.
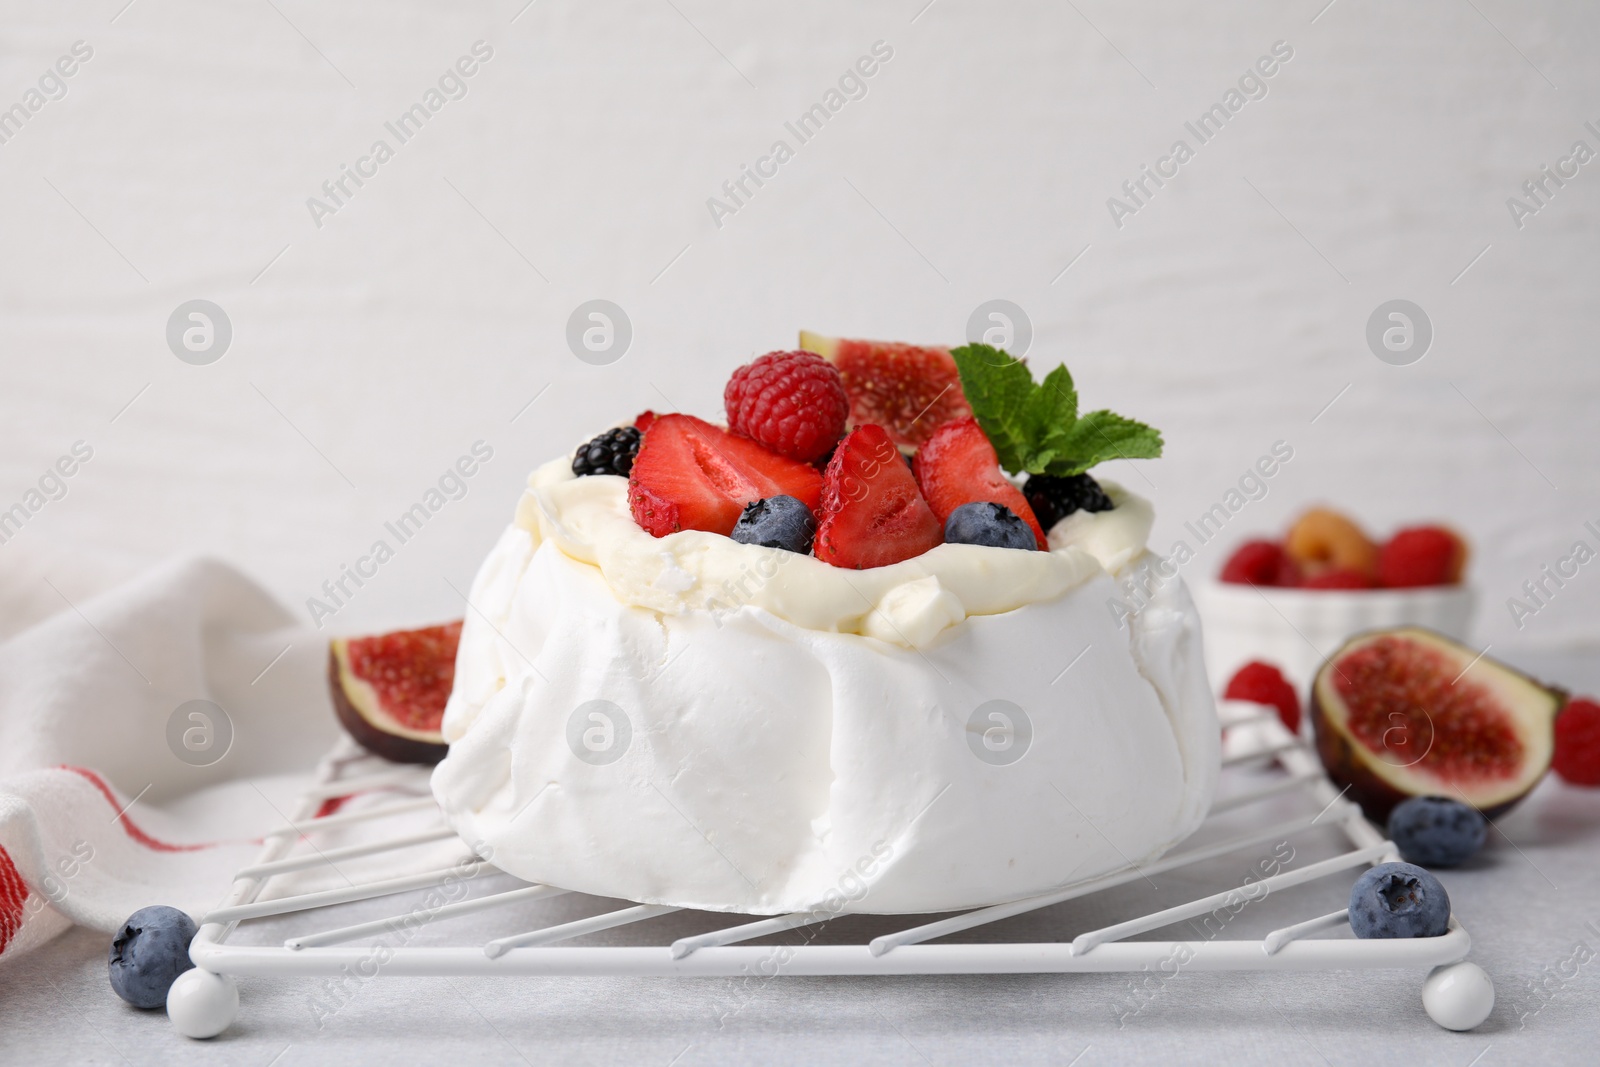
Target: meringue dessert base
{"points": [[731, 760]]}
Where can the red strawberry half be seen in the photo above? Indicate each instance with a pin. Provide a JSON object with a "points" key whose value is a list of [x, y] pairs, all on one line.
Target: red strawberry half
{"points": [[690, 475], [958, 465], [873, 513]]}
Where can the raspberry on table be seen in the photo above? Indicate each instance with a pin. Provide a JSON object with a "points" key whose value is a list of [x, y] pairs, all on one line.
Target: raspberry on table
{"points": [[1262, 683], [792, 402], [1577, 758]]}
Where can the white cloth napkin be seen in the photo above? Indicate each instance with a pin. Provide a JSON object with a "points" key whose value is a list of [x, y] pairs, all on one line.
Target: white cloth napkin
{"points": [[99, 815]]}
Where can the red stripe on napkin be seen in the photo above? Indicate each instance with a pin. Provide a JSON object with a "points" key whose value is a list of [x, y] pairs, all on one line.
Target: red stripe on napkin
{"points": [[13, 894], [128, 824]]}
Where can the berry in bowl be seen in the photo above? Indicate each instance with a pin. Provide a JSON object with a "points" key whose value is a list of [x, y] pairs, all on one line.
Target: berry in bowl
{"points": [[1295, 600]]}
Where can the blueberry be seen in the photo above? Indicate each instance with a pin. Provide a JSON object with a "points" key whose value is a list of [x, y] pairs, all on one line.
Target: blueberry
{"points": [[776, 522], [995, 525], [1398, 900], [1437, 831], [149, 953]]}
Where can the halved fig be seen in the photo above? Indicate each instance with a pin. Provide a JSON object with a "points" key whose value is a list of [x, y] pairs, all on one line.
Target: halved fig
{"points": [[390, 689], [909, 390], [1408, 712]]}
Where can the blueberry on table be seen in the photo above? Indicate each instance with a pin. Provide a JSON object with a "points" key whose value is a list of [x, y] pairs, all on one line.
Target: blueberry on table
{"points": [[1437, 831], [1398, 900], [776, 522], [994, 525], [149, 953]]}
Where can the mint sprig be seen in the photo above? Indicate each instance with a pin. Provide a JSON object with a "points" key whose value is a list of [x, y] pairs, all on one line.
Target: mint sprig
{"points": [[1035, 426]]}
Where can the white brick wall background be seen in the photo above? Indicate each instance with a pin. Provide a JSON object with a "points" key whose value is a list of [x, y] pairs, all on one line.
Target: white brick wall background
{"points": [[369, 353]]}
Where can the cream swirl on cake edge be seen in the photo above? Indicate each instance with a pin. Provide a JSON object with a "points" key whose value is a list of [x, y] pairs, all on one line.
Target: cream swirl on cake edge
{"points": [[906, 603]]}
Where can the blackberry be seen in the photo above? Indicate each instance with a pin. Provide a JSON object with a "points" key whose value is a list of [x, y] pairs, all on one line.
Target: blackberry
{"points": [[1053, 499], [610, 453]]}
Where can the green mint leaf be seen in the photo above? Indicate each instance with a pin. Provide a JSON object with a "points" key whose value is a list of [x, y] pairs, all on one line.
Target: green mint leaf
{"points": [[1051, 412], [998, 389], [1034, 426], [1102, 435]]}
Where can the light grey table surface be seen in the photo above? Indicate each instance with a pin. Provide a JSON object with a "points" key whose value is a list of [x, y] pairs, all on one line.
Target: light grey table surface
{"points": [[1530, 901]]}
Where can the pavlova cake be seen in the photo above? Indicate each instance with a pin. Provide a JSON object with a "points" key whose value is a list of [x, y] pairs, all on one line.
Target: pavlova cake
{"points": [[830, 655]]}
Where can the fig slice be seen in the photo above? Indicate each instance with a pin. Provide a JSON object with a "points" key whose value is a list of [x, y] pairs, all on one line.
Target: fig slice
{"points": [[1408, 712], [909, 390], [390, 689]]}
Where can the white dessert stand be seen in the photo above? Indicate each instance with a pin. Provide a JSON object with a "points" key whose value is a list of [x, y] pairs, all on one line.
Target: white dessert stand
{"points": [[1456, 994]]}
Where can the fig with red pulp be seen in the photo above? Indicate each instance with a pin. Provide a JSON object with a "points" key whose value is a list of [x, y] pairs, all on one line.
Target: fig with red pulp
{"points": [[390, 689], [1408, 712]]}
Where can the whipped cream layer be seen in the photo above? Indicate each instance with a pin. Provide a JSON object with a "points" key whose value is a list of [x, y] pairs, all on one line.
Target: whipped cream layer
{"points": [[690, 721], [906, 603]]}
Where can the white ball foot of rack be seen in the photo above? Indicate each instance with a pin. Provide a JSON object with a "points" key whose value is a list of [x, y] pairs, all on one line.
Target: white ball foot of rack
{"points": [[1457, 995]]}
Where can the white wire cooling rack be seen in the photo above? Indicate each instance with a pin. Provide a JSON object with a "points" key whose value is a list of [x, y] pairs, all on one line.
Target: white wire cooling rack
{"points": [[1456, 994]]}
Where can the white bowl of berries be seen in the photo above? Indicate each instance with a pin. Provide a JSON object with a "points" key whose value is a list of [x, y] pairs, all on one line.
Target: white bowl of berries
{"points": [[1293, 602]]}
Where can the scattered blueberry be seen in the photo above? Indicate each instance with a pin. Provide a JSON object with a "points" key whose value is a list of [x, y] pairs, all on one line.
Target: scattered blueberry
{"points": [[149, 953], [1398, 900], [995, 525], [776, 522], [1437, 831]]}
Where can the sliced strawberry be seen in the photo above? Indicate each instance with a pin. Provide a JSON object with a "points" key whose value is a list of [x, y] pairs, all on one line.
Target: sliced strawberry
{"points": [[691, 475], [958, 465], [873, 513], [642, 423]]}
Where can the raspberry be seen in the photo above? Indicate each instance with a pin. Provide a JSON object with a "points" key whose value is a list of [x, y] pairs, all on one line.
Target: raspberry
{"points": [[1422, 556], [794, 403], [1338, 578], [1578, 743], [1261, 563], [1262, 683]]}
